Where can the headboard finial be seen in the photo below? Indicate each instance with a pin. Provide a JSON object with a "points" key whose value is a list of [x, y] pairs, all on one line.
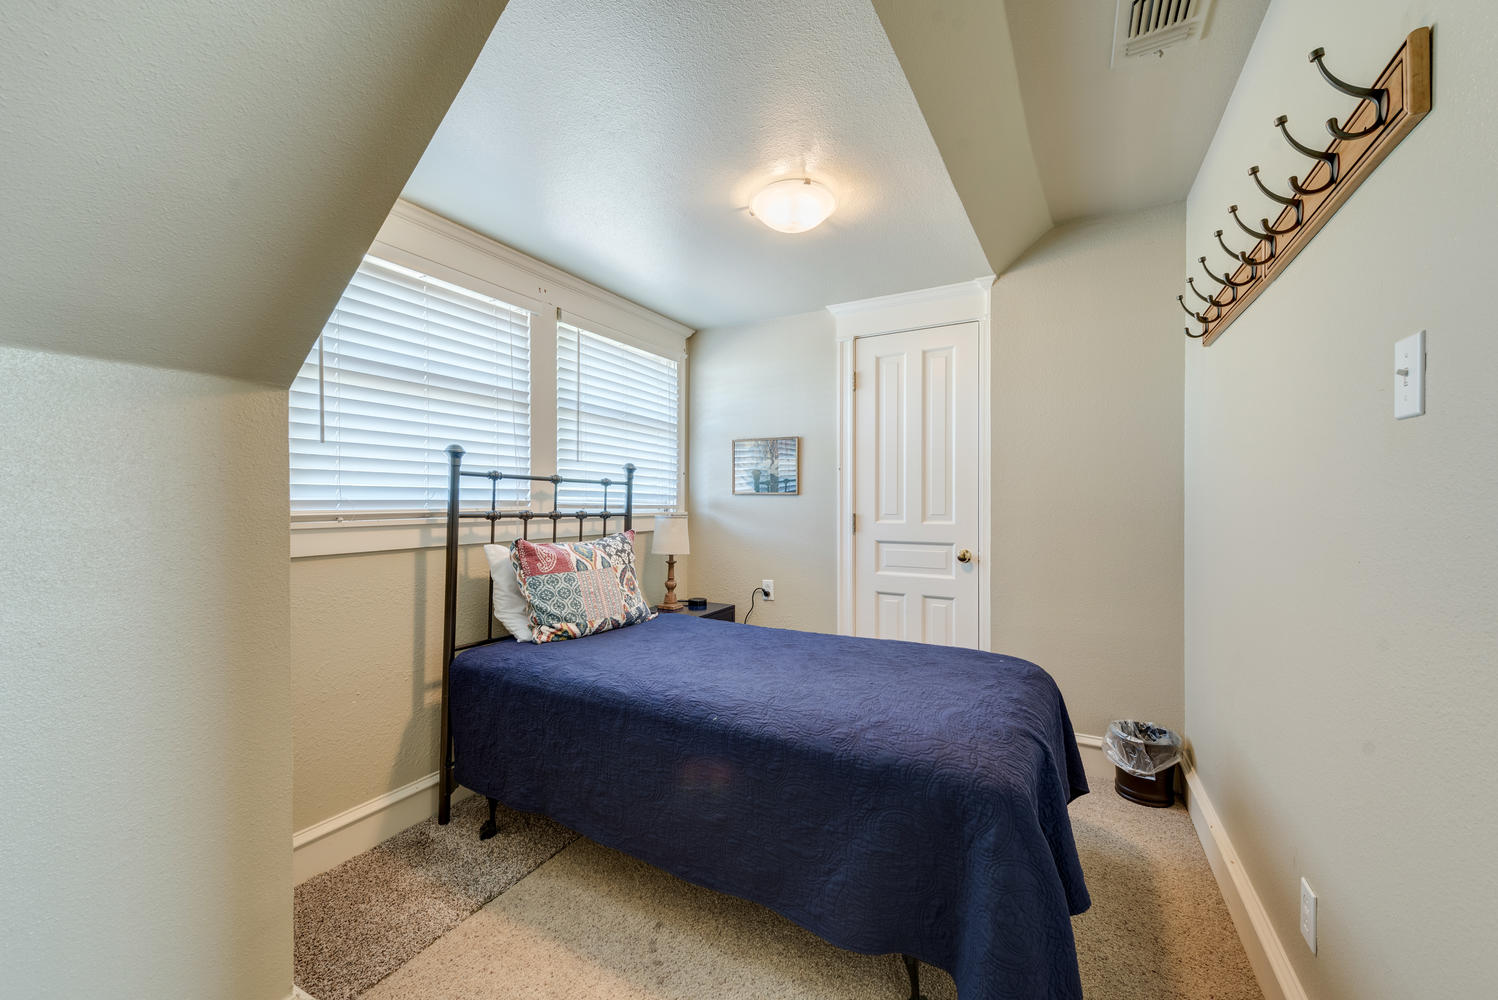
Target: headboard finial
{"points": [[455, 450]]}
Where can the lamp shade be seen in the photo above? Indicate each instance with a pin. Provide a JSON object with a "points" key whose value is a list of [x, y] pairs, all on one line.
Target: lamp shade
{"points": [[670, 535]]}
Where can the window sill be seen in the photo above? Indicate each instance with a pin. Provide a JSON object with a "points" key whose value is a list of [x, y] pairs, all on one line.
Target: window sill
{"points": [[310, 539]]}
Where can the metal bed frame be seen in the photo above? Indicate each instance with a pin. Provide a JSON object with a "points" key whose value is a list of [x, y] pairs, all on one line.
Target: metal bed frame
{"points": [[494, 515], [450, 645]]}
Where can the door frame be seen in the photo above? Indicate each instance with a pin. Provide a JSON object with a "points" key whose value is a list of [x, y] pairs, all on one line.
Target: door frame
{"points": [[947, 305]]}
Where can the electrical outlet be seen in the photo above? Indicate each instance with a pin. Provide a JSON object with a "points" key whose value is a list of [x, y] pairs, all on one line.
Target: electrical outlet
{"points": [[768, 586], [1308, 915]]}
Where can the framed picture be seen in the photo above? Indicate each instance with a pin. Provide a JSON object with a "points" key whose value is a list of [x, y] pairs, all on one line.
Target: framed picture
{"points": [[767, 466]]}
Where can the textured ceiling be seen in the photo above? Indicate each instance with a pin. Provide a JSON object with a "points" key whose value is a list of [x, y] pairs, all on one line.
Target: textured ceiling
{"points": [[621, 142], [1114, 140], [189, 185]]}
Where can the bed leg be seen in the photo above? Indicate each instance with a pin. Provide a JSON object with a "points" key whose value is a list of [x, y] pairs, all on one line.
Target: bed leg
{"points": [[913, 970], [491, 825]]}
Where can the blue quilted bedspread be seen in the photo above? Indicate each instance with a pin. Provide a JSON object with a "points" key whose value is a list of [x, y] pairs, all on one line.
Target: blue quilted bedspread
{"points": [[888, 796]]}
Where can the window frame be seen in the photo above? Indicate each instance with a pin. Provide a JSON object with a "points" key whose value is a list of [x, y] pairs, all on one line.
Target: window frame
{"points": [[427, 243]]}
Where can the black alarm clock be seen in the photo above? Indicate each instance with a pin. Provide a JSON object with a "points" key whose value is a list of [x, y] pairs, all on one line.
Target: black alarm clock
{"points": [[696, 603]]}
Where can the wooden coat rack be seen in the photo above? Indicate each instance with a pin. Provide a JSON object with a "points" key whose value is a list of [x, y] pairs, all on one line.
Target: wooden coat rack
{"points": [[1386, 112]]}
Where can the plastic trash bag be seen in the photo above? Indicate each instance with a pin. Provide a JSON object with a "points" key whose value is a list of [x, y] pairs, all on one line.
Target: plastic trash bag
{"points": [[1141, 748]]}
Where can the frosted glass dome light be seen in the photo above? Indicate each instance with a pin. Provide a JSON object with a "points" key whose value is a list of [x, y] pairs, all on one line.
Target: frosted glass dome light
{"points": [[793, 205]]}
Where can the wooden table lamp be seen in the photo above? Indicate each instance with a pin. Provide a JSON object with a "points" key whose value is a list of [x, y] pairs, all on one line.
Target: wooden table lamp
{"points": [[671, 539]]}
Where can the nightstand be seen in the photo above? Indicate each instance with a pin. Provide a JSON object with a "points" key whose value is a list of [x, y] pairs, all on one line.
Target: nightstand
{"points": [[717, 612]]}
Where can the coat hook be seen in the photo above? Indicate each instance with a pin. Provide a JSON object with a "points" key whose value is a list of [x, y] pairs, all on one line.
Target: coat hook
{"points": [[1239, 255], [1331, 159], [1196, 315], [1294, 225], [1296, 186], [1226, 281], [1203, 262], [1253, 172], [1253, 275], [1199, 317], [1295, 203], [1190, 312], [1269, 237], [1378, 96], [1225, 248], [1192, 282]]}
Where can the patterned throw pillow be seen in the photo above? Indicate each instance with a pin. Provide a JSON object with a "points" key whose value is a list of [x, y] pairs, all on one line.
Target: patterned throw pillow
{"points": [[578, 588]]}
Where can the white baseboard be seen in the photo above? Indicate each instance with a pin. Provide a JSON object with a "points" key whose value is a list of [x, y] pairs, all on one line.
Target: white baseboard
{"points": [[1266, 952], [352, 832]]}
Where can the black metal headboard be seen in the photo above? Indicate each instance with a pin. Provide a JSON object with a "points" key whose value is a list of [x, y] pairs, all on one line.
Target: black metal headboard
{"points": [[494, 515]]}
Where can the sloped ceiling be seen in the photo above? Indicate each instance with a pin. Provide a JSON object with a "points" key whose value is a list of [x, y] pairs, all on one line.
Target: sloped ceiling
{"points": [[1129, 137], [1034, 125], [189, 185], [960, 63], [622, 141]]}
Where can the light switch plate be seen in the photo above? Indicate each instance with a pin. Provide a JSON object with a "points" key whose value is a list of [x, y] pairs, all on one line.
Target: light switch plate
{"points": [[1409, 376]]}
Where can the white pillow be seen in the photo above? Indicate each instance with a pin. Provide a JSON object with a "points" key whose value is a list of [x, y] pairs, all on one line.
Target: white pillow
{"points": [[509, 603]]}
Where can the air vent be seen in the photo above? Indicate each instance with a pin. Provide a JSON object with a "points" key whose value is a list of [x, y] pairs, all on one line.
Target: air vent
{"points": [[1144, 29]]}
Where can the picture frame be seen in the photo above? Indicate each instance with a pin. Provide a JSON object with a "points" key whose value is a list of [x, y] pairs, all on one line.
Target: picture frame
{"points": [[768, 466]]}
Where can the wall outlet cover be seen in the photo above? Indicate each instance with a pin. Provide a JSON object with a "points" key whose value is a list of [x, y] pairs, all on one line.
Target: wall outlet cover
{"points": [[1308, 915], [768, 586]]}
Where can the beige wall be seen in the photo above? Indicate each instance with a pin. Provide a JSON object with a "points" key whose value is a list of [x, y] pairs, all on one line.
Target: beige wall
{"points": [[774, 379], [366, 645], [1087, 492], [147, 778], [366, 655], [1342, 567]]}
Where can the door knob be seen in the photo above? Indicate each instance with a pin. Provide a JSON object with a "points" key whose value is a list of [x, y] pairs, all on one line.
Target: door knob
{"points": [[965, 556]]}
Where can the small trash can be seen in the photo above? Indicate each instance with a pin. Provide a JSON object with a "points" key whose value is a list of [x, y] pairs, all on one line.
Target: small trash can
{"points": [[1145, 757]]}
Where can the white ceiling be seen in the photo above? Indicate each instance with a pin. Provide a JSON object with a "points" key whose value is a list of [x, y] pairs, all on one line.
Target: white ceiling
{"points": [[1114, 140], [621, 142]]}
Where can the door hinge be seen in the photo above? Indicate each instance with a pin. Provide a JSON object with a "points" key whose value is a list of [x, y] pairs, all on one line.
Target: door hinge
{"points": [[855, 381], [854, 529]]}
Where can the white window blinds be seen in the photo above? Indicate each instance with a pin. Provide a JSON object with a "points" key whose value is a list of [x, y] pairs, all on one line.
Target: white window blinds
{"points": [[616, 404], [406, 365]]}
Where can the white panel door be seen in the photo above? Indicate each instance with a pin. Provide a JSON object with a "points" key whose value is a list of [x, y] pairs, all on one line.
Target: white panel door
{"points": [[916, 490]]}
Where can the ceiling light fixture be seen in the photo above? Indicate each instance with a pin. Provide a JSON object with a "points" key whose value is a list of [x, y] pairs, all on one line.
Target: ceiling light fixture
{"points": [[793, 205]]}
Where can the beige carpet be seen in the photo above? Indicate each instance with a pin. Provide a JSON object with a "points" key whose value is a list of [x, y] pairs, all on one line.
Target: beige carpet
{"points": [[1158, 927], [365, 918], [592, 924]]}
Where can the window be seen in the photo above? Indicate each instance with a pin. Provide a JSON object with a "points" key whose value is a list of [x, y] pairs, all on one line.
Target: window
{"points": [[445, 336], [616, 404], [406, 365]]}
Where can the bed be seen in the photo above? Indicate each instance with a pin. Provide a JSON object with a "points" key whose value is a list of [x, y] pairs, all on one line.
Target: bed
{"points": [[890, 797]]}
